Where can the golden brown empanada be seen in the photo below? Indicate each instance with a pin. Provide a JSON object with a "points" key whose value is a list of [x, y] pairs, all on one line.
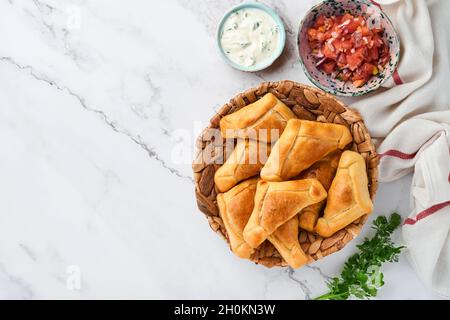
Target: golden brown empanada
{"points": [[285, 240], [246, 160], [278, 202], [348, 197], [235, 208], [302, 144], [324, 171], [267, 113]]}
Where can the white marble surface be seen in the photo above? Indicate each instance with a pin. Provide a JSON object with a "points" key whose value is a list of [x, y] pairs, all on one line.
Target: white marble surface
{"points": [[93, 98]]}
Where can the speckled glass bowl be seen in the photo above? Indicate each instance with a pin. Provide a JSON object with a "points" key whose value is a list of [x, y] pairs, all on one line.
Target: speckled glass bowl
{"points": [[281, 36], [375, 17]]}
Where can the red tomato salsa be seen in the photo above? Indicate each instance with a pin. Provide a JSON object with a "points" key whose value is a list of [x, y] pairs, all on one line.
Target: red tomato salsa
{"points": [[347, 48]]}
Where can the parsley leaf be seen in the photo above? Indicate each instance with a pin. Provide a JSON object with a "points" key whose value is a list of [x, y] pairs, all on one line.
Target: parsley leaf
{"points": [[361, 276]]}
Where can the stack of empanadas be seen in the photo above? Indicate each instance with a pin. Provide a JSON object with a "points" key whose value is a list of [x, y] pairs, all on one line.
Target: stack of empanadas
{"points": [[306, 171]]}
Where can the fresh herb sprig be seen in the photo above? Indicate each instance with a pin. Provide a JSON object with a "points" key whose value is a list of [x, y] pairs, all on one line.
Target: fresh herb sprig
{"points": [[361, 276]]}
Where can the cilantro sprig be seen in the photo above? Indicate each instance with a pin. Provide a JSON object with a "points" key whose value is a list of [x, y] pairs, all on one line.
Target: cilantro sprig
{"points": [[361, 276]]}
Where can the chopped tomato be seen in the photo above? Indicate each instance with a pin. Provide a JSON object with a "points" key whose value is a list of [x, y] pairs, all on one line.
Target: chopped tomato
{"points": [[343, 44], [363, 74], [377, 41], [369, 69], [320, 21], [384, 56], [336, 31], [359, 83], [355, 58], [345, 17], [312, 34], [315, 45], [329, 50], [328, 34], [329, 67], [336, 19], [357, 39], [342, 60], [366, 40], [365, 30], [347, 44], [321, 36], [359, 74], [373, 54], [344, 76], [353, 25], [328, 23]]}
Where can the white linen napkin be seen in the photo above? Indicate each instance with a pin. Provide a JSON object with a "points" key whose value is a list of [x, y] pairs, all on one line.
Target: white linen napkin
{"points": [[410, 120]]}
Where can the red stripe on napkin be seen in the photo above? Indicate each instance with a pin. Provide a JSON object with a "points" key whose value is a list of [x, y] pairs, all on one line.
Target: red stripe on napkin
{"points": [[398, 81], [398, 154], [376, 3], [426, 213]]}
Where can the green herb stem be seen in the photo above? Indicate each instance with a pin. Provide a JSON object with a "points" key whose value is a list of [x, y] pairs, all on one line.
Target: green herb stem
{"points": [[361, 276]]}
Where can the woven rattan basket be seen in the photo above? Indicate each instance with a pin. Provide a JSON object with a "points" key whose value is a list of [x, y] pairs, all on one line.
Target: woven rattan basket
{"points": [[307, 103]]}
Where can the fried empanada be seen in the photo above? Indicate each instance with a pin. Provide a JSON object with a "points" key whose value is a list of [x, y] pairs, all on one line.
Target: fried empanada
{"points": [[278, 202], [348, 197], [323, 170], [301, 145], [235, 208], [257, 120], [285, 240], [246, 160]]}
